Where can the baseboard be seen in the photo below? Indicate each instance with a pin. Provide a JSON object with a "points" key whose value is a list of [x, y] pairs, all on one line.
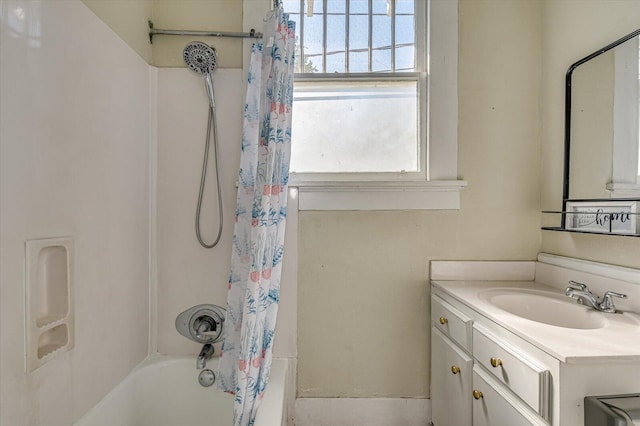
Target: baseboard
{"points": [[362, 411]]}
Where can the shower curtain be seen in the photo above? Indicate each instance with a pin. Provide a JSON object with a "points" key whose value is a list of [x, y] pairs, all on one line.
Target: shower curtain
{"points": [[256, 260]]}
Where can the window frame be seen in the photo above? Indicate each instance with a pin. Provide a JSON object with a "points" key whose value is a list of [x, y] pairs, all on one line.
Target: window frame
{"points": [[440, 190]]}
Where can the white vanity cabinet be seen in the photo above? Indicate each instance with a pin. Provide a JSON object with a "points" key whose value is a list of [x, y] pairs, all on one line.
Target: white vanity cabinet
{"points": [[452, 372], [530, 354], [478, 376], [451, 365]]}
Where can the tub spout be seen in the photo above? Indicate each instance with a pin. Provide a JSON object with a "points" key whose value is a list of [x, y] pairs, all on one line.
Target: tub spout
{"points": [[205, 354]]}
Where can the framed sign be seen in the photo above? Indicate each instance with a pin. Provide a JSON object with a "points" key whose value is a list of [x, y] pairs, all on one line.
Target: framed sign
{"points": [[607, 217]]}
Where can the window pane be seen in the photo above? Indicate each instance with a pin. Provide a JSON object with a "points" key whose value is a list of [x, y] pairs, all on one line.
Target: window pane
{"points": [[359, 6], [404, 7], [381, 31], [336, 62], [296, 18], [380, 7], [381, 60], [358, 32], [405, 29], [335, 33], [381, 44], [291, 6], [317, 7], [405, 58], [359, 61], [336, 6], [313, 30], [329, 135]]}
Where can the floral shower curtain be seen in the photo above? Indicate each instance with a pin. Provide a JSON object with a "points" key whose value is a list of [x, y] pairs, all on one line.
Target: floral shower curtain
{"points": [[256, 260]]}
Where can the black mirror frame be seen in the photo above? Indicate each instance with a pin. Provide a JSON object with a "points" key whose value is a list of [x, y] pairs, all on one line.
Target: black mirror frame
{"points": [[567, 115]]}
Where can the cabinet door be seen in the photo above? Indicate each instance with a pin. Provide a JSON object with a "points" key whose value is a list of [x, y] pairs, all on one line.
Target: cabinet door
{"points": [[493, 405], [451, 379]]}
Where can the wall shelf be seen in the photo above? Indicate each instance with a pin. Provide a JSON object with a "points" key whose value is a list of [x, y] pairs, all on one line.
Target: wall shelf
{"points": [[600, 217]]}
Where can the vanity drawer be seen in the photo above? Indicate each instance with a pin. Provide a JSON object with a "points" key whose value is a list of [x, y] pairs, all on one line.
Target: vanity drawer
{"points": [[517, 371], [451, 322], [495, 406]]}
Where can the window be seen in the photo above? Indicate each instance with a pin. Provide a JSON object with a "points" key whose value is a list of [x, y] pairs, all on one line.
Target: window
{"points": [[360, 84], [360, 104]]}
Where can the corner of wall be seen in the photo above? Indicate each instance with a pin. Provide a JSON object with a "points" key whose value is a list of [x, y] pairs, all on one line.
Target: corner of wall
{"points": [[153, 176]]}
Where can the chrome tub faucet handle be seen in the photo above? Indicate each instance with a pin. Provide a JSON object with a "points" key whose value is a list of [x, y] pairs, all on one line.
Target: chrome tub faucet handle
{"points": [[205, 354]]}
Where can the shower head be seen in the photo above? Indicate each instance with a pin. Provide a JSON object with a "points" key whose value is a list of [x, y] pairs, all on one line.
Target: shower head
{"points": [[200, 57]]}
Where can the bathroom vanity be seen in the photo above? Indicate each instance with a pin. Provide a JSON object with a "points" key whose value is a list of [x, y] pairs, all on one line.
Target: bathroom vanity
{"points": [[508, 347]]}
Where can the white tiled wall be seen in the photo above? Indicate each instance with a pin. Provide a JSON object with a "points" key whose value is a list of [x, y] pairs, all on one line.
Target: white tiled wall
{"points": [[74, 142]]}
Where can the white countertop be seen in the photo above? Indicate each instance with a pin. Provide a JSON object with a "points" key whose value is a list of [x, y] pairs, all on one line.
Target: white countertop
{"points": [[617, 340]]}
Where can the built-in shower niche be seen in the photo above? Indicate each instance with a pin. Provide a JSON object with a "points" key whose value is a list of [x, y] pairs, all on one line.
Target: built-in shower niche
{"points": [[52, 340], [49, 305], [51, 286]]}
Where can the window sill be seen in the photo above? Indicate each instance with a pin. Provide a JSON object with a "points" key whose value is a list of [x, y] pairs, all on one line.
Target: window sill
{"points": [[431, 195]]}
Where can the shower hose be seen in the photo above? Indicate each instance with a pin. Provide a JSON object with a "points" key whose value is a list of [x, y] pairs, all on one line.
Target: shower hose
{"points": [[211, 124]]}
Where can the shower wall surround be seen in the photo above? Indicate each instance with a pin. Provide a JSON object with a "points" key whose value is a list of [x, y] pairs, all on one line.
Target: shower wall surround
{"points": [[187, 273], [74, 149]]}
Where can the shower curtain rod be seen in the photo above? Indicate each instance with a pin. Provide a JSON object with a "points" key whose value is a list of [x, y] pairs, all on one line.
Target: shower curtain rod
{"points": [[251, 34]]}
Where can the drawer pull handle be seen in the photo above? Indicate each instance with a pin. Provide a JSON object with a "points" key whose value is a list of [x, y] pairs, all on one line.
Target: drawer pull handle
{"points": [[477, 394], [495, 362], [443, 320], [455, 369]]}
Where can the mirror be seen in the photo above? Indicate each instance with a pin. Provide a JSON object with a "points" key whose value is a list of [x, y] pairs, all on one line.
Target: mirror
{"points": [[602, 125]]}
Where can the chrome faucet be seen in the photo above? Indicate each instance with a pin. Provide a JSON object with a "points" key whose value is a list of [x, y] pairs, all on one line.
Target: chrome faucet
{"points": [[205, 354], [583, 295]]}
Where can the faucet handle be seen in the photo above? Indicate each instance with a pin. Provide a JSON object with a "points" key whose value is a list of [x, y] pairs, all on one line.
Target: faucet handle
{"points": [[573, 286], [607, 302], [204, 335], [580, 286], [608, 295]]}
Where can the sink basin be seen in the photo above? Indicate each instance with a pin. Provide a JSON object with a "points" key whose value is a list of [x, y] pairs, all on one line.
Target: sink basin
{"points": [[545, 307]]}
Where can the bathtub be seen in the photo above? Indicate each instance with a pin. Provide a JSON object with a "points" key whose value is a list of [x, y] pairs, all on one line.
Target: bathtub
{"points": [[164, 391]]}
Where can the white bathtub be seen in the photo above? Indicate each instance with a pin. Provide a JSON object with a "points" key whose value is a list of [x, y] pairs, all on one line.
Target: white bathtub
{"points": [[164, 391]]}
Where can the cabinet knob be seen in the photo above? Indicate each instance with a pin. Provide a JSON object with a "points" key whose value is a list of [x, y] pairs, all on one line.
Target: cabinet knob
{"points": [[495, 362], [443, 320], [477, 394], [455, 369]]}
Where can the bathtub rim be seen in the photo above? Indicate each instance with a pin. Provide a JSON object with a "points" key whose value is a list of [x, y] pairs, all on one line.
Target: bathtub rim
{"points": [[272, 410]]}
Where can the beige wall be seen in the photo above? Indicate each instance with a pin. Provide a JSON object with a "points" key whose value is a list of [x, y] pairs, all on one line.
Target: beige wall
{"points": [[571, 30], [213, 15], [128, 19], [363, 276]]}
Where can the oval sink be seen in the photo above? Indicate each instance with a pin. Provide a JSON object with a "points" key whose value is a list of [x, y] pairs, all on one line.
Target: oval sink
{"points": [[545, 307]]}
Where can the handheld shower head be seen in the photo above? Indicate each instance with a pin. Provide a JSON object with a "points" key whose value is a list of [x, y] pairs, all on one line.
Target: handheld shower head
{"points": [[202, 59]]}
